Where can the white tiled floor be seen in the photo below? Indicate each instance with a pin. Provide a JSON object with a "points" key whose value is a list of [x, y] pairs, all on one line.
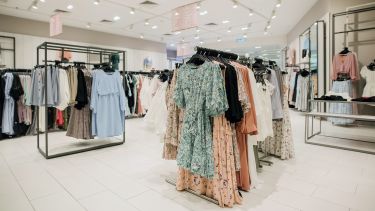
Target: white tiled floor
{"points": [[132, 177]]}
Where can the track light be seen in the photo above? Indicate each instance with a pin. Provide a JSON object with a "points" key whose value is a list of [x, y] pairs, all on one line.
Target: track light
{"points": [[88, 25], [229, 30], [251, 12], [132, 11], [147, 22], [235, 4], [273, 14], [268, 25], [244, 35], [35, 5], [97, 2], [278, 4], [219, 39], [198, 5]]}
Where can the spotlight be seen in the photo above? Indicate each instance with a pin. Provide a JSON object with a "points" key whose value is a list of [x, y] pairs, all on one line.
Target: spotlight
{"points": [[35, 5], [278, 4], [251, 12], [132, 11], [147, 22], [97, 2], [235, 4], [70, 7], [141, 36]]}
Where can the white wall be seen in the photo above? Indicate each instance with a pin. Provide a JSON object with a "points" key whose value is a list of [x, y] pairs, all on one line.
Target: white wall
{"points": [[26, 55]]}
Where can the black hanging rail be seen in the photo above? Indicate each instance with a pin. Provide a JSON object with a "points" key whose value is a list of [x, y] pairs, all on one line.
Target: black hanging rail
{"points": [[215, 53], [51, 46]]}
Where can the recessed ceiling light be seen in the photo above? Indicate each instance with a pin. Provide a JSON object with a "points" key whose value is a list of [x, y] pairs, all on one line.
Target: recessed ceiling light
{"points": [[147, 22], [203, 13], [97, 2], [176, 13], [197, 30], [116, 18], [70, 7], [257, 47], [244, 36], [219, 39], [225, 21], [235, 4], [251, 12], [42, 1], [88, 25], [315, 23], [154, 27], [177, 33], [172, 44], [201, 42], [132, 11], [141, 36], [228, 50], [244, 28], [278, 4], [229, 30]]}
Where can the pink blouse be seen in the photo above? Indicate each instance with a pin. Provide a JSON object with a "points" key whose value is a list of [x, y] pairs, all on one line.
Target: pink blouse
{"points": [[345, 63]]}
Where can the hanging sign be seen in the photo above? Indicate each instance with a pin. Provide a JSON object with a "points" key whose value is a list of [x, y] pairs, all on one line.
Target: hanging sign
{"points": [[184, 17], [55, 25]]}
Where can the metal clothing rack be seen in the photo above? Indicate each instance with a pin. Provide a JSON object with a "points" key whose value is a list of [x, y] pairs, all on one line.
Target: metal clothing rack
{"points": [[51, 46], [309, 129]]}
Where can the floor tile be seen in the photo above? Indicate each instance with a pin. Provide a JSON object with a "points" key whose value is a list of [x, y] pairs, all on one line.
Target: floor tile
{"points": [[106, 201], [61, 201]]}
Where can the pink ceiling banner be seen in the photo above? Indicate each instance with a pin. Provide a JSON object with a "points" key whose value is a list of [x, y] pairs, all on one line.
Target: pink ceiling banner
{"points": [[55, 25], [184, 17]]}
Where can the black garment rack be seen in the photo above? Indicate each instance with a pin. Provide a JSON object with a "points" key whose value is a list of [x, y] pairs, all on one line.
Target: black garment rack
{"points": [[56, 47]]}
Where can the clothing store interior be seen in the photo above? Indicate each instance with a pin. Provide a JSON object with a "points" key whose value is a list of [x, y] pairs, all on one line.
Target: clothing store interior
{"points": [[187, 105]]}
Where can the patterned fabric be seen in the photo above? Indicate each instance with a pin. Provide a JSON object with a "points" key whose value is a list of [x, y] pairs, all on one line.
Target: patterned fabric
{"points": [[80, 119], [282, 143], [223, 187], [174, 122], [200, 91], [341, 108]]}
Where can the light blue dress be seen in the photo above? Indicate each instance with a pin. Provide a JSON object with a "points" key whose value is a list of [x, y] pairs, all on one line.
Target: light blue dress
{"points": [[8, 109], [107, 104]]}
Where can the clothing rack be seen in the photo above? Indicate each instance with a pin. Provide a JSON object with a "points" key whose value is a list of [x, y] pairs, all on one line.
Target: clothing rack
{"points": [[215, 53], [52, 46], [309, 117]]}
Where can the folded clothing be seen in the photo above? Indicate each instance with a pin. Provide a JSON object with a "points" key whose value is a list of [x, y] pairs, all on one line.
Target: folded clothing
{"points": [[331, 98]]}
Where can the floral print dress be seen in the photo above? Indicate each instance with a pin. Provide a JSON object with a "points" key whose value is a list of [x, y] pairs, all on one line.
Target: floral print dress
{"points": [[200, 92]]}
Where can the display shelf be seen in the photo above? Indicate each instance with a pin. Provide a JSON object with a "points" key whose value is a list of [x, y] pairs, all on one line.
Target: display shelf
{"points": [[333, 101], [344, 116]]}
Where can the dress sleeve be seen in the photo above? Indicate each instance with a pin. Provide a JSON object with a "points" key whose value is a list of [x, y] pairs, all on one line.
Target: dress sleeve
{"points": [[363, 72], [178, 96], [216, 99]]}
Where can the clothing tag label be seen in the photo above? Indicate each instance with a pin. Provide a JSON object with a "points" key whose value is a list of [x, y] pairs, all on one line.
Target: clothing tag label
{"points": [[55, 25]]}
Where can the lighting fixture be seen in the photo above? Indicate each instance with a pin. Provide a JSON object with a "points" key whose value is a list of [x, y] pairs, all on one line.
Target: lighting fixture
{"points": [[177, 33], [35, 5], [97, 2], [265, 32], [197, 30], [244, 28], [70, 7], [42, 1], [278, 4], [315, 23], [183, 40], [268, 25], [228, 50], [257, 47], [196, 37], [116, 18], [229, 30], [251, 12], [132, 11], [198, 5], [172, 44], [201, 42], [235, 4], [88, 25], [244, 35], [176, 13], [273, 14], [203, 13], [154, 27], [225, 21], [147, 22], [141, 36], [219, 39]]}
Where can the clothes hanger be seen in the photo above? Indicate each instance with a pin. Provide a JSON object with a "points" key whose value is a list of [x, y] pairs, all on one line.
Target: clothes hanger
{"points": [[345, 51]]}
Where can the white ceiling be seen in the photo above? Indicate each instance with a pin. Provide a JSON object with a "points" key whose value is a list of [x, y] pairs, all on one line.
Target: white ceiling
{"points": [[85, 12]]}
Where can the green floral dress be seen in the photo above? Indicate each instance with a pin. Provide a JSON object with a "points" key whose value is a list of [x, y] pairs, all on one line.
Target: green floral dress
{"points": [[200, 92]]}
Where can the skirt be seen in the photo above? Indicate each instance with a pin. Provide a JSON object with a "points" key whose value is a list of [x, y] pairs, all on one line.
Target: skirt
{"points": [[341, 108]]}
